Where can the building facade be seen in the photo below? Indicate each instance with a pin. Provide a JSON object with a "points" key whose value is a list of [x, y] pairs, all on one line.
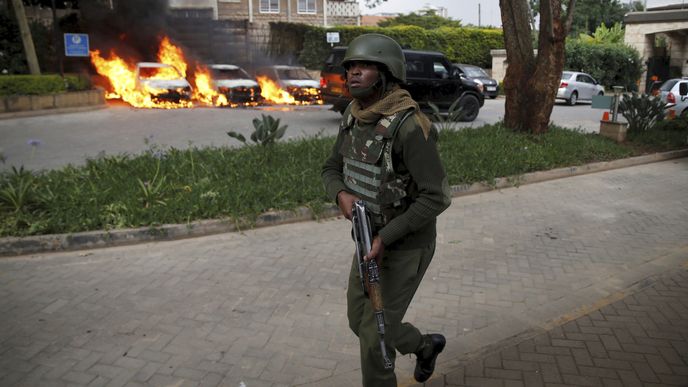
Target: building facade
{"points": [[661, 37], [313, 12]]}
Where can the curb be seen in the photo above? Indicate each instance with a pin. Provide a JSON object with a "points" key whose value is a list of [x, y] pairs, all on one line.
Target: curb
{"points": [[14, 246], [44, 112]]}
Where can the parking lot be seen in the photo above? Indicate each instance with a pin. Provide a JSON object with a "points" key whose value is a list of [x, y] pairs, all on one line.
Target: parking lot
{"points": [[61, 139]]}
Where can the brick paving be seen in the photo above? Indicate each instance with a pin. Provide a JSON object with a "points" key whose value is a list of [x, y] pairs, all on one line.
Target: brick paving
{"points": [[578, 281], [640, 340]]}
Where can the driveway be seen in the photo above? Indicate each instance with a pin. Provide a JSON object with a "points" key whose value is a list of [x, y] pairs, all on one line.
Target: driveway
{"points": [[62, 139]]}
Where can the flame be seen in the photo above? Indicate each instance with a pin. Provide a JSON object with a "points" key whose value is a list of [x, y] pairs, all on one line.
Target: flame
{"points": [[123, 81], [204, 90], [172, 55], [272, 92]]}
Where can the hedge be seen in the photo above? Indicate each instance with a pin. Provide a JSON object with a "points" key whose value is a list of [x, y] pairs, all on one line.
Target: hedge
{"points": [[41, 84], [609, 64], [460, 45]]}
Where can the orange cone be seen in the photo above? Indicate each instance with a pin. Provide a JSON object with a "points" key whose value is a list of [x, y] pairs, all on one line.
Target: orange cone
{"points": [[605, 116]]}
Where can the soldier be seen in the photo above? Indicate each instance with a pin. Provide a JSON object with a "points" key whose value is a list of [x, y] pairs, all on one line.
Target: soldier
{"points": [[386, 155]]}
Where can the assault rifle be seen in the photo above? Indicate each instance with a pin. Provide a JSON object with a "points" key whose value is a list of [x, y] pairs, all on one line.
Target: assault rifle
{"points": [[369, 271]]}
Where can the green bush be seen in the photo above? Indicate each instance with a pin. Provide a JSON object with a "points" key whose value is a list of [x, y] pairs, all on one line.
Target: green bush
{"points": [[609, 64], [41, 84], [678, 124], [641, 111], [460, 45]]}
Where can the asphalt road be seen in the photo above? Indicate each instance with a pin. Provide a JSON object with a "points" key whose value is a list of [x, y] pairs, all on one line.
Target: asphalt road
{"points": [[62, 139]]}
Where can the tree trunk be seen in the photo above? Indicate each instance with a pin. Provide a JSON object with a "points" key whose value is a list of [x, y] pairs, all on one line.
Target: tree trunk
{"points": [[27, 41], [531, 81]]}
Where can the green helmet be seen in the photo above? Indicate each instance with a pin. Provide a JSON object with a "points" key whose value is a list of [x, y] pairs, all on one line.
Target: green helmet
{"points": [[378, 48]]}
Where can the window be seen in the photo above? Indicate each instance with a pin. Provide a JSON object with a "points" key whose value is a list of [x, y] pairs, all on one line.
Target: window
{"points": [[440, 71], [306, 6], [269, 6]]}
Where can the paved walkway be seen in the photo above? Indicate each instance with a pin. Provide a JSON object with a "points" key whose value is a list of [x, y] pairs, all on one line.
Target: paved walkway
{"points": [[578, 281]]}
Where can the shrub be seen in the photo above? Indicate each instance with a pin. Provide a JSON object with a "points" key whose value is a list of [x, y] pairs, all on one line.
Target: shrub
{"points": [[679, 124], [460, 45], [41, 84], [641, 111], [609, 64]]}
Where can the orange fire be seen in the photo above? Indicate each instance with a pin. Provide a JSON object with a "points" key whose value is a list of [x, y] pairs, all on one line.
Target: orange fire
{"points": [[138, 89], [272, 92], [204, 90]]}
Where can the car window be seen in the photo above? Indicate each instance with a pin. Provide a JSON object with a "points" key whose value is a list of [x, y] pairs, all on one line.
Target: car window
{"points": [[668, 85], [440, 70], [167, 72], [293, 74], [566, 75], [230, 74], [475, 72], [414, 66]]}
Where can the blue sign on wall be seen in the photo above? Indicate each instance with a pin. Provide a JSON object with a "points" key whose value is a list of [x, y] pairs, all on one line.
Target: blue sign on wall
{"points": [[76, 44]]}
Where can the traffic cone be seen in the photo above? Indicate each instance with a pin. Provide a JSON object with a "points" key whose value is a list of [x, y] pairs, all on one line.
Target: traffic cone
{"points": [[605, 116]]}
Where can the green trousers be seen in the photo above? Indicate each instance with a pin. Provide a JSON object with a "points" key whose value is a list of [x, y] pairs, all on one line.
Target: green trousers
{"points": [[400, 274]]}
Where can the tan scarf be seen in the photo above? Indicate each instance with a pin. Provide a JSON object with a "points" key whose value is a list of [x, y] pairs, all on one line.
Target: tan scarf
{"points": [[394, 100]]}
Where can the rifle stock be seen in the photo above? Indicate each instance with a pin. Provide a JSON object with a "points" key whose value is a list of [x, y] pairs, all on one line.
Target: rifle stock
{"points": [[369, 272]]}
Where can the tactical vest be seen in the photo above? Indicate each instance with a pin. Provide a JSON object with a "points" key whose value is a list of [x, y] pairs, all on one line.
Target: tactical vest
{"points": [[368, 166]]}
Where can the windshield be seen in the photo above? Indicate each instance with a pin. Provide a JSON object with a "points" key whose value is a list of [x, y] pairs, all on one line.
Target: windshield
{"points": [[476, 72], [166, 72], [296, 73], [668, 85], [230, 74]]}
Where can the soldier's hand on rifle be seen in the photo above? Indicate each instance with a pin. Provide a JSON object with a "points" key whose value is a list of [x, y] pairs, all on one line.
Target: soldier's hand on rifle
{"points": [[377, 250], [346, 201]]}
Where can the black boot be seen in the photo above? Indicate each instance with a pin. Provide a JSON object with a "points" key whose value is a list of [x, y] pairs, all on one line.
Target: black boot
{"points": [[427, 355]]}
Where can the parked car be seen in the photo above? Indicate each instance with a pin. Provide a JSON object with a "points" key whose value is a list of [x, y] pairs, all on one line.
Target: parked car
{"points": [[478, 75], [235, 83], [675, 91], [430, 78], [163, 81], [295, 80], [576, 86]]}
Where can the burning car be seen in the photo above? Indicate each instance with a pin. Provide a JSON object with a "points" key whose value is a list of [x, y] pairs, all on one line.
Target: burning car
{"points": [[295, 80], [235, 83], [162, 81]]}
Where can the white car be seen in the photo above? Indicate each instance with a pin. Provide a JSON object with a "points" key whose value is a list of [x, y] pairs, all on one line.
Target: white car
{"points": [[576, 86], [235, 83], [675, 91], [163, 81]]}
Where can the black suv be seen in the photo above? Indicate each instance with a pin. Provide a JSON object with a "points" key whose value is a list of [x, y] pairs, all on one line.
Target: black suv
{"points": [[430, 77]]}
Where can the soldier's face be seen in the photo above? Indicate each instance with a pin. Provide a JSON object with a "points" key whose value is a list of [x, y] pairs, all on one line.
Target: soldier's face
{"points": [[362, 75]]}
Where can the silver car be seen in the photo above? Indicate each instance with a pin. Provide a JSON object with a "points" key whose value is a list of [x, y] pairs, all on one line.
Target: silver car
{"points": [[576, 86], [675, 91]]}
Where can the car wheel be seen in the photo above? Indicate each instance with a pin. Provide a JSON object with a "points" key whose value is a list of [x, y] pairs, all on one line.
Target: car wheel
{"points": [[470, 107], [600, 93], [684, 113], [573, 99]]}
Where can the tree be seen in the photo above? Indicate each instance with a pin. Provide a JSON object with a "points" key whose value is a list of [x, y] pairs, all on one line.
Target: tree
{"points": [[591, 13], [27, 41], [531, 81], [428, 21]]}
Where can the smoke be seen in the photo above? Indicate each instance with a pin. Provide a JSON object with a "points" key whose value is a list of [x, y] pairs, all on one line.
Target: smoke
{"points": [[133, 28]]}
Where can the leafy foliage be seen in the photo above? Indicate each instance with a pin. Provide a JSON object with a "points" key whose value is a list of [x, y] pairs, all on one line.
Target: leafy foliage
{"points": [[604, 35], [460, 45], [193, 184], [41, 84], [641, 111], [591, 13], [609, 64], [454, 114], [428, 21], [267, 131]]}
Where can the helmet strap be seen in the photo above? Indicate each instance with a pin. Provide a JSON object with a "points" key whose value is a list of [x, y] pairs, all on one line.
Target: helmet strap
{"points": [[366, 92]]}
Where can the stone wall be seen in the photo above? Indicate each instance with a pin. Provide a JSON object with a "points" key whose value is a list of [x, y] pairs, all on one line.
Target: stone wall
{"points": [[75, 99], [288, 12]]}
